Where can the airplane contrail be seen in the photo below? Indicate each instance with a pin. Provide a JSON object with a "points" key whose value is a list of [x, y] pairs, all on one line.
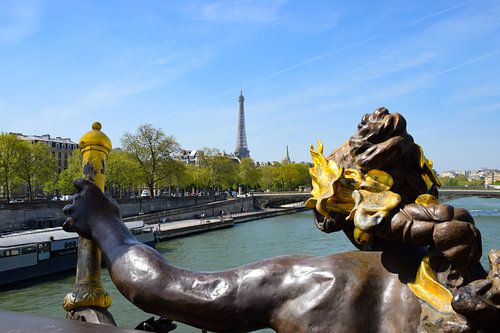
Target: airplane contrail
{"points": [[327, 54], [439, 12], [364, 41], [313, 59], [468, 62]]}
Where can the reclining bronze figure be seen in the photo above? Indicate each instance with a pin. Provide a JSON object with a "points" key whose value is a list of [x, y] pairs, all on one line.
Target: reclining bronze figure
{"points": [[418, 270]]}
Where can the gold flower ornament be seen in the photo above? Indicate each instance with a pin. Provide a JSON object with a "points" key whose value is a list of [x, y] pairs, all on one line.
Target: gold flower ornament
{"points": [[324, 174]]}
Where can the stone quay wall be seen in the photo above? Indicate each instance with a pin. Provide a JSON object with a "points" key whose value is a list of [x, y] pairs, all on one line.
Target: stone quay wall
{"points": [[230, 206], [18, 216]]}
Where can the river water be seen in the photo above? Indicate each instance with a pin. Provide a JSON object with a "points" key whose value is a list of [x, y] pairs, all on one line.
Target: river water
{"points": [[222, 249]]}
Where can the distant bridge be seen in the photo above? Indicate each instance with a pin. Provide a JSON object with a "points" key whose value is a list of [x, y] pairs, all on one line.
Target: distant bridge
{"points": [[449, 194], [275, 199]]}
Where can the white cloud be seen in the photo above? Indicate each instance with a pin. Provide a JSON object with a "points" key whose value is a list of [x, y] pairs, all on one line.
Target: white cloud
{"points": [[237, 11], [19, 19], [393, 61], [111, 92], [101, 96]]}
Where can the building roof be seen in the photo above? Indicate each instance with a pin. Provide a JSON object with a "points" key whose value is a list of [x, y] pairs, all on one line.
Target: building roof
{"points": [[35, 236], [44, 137], [44, 235]]}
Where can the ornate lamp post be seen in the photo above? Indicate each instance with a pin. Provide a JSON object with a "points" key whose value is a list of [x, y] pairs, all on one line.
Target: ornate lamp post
{"points": [[88, 298]]}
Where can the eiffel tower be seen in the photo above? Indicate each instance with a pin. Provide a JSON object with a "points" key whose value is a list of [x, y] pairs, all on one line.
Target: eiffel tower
{"points": [[241, 149]]}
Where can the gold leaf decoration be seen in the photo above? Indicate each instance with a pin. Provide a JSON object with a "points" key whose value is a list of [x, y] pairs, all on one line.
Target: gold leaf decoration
{"points": [[324, 174]]}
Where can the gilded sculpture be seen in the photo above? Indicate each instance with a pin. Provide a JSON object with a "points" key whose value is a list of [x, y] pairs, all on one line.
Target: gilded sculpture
{"points": [[418, 269]]}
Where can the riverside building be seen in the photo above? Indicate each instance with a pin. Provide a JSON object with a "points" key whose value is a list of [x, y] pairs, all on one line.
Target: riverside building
{"points": [[61, 148]]}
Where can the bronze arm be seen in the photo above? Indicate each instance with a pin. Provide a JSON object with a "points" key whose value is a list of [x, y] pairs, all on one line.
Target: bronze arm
{"points": [[233, 300]]}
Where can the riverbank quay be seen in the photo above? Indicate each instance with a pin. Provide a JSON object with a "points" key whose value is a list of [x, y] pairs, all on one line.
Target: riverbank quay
{"points": [[48, 214], [22, 322], [181, 228], [262, 214], [173, 229], [195, 212]]}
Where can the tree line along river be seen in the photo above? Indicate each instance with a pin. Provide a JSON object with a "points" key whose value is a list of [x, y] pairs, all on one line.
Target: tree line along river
{"points": [[223, 249]]}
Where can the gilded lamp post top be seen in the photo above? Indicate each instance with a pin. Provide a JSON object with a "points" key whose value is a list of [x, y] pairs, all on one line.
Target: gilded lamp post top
{"points": [[95, 139]]}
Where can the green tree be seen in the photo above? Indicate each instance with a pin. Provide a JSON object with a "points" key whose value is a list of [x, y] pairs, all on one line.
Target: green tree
{"points": [[460, 180], [152, 149], [124, 173], [198, 176], [266, 179], [215, 170], [447, 181], [223, 172], [9, 145], [248, 173], [50, 186], [175, 174], [284, 177], [73, 171], [35, 166], [303, 178], [207, 152]]}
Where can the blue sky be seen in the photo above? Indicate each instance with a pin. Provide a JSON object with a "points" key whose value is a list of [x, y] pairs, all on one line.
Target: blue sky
{"points": [[309, 70]]}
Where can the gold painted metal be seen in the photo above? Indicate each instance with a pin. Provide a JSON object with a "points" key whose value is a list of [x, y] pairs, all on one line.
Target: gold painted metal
{"points": [[324, 174], [377, 181], [365, 197], [88, 290], [426, 200], [372, 200], [427, 288], [428, 173], [362, 237], [372, 207]]}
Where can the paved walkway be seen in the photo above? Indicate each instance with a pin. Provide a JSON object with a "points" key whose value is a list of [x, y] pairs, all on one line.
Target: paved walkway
{"points": [[186, 223], [182, 224]]}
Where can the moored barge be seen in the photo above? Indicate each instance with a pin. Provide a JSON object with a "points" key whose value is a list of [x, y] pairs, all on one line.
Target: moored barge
{"points": [[35, 253]]}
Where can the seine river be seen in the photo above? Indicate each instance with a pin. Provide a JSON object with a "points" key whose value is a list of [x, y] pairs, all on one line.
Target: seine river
{"points": [[218, 250]]}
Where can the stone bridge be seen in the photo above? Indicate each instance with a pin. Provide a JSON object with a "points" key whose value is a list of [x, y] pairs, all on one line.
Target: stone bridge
{"points": [[276, 199], [449, 194]]}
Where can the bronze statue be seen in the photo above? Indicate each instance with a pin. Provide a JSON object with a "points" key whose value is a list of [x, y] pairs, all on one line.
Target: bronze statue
{"points": [[385, 190], [380, 190]]}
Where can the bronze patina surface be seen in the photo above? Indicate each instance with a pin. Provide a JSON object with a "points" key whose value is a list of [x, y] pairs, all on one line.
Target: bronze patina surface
{"points": [[380, 190], [386, 190]]}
